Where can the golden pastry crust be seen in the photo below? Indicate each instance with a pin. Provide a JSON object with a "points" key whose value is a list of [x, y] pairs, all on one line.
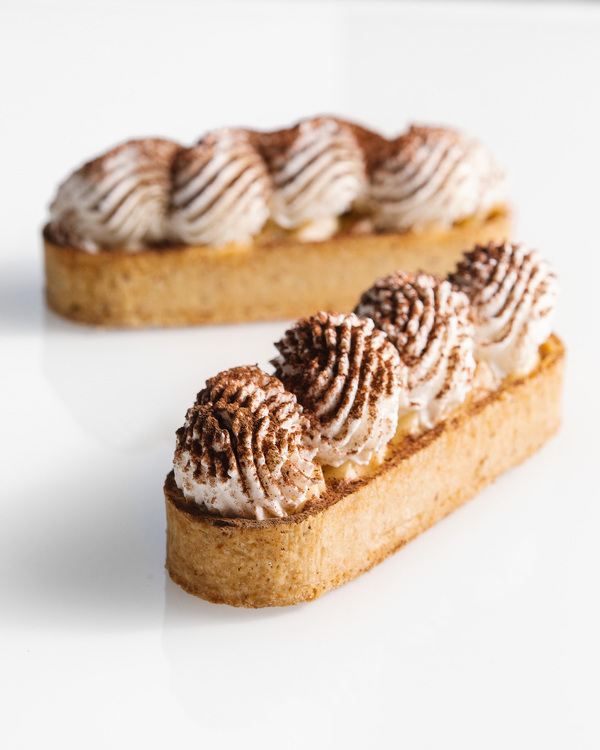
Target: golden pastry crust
{"points": [[273, 278], [357, 524]]}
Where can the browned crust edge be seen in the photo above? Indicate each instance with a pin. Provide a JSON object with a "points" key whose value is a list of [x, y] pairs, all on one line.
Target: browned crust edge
{"points": [[266, 281], [358, 524]]}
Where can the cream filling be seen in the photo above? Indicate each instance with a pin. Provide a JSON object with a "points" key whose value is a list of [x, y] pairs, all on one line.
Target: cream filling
{"points": [[484, 383]]}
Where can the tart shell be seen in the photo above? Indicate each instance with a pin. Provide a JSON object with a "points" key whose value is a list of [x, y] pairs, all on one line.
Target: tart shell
{"points": [[355, 525], [269, 280]]}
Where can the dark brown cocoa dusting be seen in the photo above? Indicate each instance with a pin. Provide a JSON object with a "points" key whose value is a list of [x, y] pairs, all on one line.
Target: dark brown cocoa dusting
{"points": [[224, 439], [336, 490], [479, 266], [237, 385], [191, 162], [158, 151], [270, 146], [375, 147], [399, 302], [410, 309], [489, 267], [243, 416], [419, 135], [337, 352], [157, 159]]}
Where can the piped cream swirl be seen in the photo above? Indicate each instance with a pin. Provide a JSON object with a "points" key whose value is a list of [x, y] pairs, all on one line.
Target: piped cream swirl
{"points": [[318, 172], [221, 190], [247, 386], [118, 200], [350, 377], [235, 183], [246, 449], [434, 176], [513, 290], [431, 325]]}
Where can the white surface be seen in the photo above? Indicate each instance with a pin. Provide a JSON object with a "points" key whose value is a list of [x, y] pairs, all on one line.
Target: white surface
{"points": [[483, 633]]}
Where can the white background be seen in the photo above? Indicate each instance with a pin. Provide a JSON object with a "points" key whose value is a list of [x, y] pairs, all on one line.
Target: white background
{"points": [[483, 633]]}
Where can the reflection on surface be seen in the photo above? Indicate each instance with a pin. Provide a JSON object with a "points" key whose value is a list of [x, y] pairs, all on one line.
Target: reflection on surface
{"points": [[269, 662], [349, 652], [21, 298]]}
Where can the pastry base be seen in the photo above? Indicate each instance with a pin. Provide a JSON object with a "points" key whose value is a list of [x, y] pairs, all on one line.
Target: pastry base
{"points": [[269, 280], [356, 525]]}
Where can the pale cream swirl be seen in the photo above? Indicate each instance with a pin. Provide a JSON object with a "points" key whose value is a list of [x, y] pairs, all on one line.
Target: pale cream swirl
{"points": [[513, 290], [434, 176], [318, 172], [432, 327], [220, 192], [305, 179], [118, 200], [250, 452], [350, 377]]}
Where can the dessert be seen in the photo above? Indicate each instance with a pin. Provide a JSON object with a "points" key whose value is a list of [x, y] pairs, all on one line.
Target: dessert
{"points": [[374, 425], [252, 226]]}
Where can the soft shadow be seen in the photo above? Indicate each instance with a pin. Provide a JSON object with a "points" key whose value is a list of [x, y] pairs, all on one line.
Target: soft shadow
{"points": [[219, 655], [182, 611], [90, 559], [22, 305]]}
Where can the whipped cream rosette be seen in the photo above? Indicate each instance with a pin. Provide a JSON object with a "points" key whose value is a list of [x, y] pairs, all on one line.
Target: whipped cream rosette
{"points": [[119, 199], [304, 179], [318, 172], [220, 190], [513, 290], [246, 448], [431, 325], [349, 377], [247, 386], [434, 176]]}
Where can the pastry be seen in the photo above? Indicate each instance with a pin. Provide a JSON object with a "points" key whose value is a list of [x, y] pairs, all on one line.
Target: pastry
{"points": [[374, 425], [254, 226]]}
